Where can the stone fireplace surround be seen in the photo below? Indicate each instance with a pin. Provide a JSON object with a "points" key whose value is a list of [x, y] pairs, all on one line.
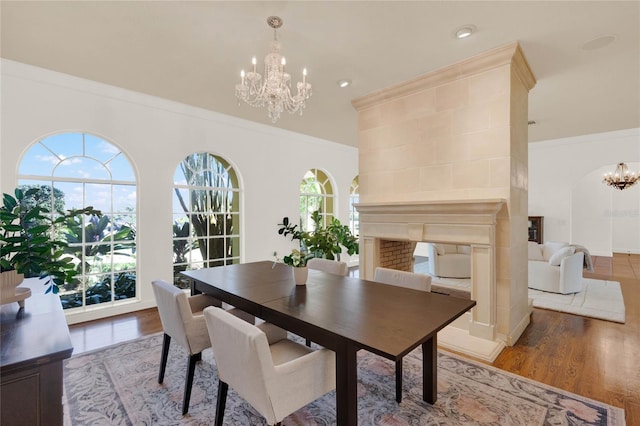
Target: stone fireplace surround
{"points": [[468, 222]]}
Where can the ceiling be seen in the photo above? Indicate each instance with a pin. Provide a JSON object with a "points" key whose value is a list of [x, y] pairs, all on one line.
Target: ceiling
{"points": [[192, 52]]}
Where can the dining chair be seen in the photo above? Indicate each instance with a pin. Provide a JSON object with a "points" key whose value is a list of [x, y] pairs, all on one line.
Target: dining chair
{"points": [[182, 320], [407, 280], [277, 376], [331, 266]]}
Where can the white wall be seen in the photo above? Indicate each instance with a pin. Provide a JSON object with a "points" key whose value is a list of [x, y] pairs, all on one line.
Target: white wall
{"points": [[156, 135], [565, 186]]}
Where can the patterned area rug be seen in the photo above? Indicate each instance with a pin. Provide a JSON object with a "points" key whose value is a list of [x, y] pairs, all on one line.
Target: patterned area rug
{"points": [[118, 386]]}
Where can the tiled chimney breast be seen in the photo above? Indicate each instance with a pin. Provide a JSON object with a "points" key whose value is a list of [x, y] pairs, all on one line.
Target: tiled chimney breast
{"points": [[457, 134]]}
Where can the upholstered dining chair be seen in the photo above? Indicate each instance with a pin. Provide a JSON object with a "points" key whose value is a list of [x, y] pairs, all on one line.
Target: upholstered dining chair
{"points": [[277, 376], [182, 320], [331, 266], [407, 280]]}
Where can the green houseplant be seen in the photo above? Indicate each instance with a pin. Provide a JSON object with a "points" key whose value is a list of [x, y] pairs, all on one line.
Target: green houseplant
{"points": [[32, 241], [324, 241]]}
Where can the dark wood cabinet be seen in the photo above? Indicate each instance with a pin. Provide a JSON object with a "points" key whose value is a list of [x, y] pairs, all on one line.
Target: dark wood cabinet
{"points": [[34, 342], [536, 229]]}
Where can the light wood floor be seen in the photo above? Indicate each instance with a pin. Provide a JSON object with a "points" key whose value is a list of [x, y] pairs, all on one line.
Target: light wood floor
{"points": [[593, 358]]}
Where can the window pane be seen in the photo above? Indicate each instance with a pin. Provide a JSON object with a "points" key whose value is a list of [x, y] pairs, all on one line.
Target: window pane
{"points": [[38, 160], [125, 285], [121, 169], [98, 289], [99, 196], [99, 149], [71, 194], [180, 200], [199, 201], [71, 295], [65, 145], [124, 198]]}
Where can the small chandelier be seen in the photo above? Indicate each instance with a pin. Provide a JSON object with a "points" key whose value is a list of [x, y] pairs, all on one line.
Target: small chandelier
{"points": [[275, 90], [621, 178]]}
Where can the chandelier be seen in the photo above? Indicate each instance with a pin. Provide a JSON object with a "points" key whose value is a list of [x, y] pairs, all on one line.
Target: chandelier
{"points": [[621, 178], [275, 90]]}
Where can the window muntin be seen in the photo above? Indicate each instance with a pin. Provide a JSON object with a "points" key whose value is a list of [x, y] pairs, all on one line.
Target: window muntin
{"points": [[206, 214], [77, 170]]}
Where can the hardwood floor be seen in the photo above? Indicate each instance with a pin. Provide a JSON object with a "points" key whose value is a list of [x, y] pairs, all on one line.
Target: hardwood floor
{"points": [[593, 358]]}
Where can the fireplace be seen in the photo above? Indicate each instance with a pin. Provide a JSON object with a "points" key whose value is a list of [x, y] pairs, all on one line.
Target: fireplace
{"points": [[390, 231]]}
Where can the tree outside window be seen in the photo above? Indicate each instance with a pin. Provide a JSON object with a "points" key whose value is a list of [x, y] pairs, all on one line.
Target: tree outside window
{"points": [[206, 215]]}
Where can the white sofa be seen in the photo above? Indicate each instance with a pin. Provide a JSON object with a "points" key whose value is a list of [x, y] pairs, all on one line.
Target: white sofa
{"points": [[446, 260], [555, 267]]}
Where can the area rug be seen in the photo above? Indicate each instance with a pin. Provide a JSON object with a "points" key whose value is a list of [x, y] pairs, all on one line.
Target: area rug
{"points": [[118, 386], [599, 299]]}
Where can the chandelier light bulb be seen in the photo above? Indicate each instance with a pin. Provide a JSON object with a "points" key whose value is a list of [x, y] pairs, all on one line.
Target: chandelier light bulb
{"points": [[273, 90]]}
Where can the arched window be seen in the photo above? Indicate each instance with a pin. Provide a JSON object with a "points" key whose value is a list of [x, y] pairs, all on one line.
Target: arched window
{"points": [[316, 194], [78, 170], [354, 198], [206, 214]]}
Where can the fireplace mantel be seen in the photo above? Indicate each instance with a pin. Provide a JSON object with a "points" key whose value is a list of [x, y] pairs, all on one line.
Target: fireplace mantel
{"points": [[490, 206], [469, 222]]}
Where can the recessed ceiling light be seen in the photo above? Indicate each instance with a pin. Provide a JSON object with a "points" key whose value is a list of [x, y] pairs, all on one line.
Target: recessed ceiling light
{"points": [[464, 31], [599, 42], [344, 83]]}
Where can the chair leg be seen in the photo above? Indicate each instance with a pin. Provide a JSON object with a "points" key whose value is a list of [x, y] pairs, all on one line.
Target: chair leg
{"points": [[222, 400], [399, 381], [189, 381], [308, 342], [163, 358]]}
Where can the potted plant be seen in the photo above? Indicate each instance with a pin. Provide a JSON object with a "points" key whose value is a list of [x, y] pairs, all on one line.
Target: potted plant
{"points": [[298, 260], [31, 240], [325, 242]]}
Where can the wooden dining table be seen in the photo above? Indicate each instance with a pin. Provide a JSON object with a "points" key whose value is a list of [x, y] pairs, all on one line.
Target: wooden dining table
{"points": [[344, 314]]}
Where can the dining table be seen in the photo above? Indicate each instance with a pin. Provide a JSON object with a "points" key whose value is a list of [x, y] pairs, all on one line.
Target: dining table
{"points": [[342, 313]]}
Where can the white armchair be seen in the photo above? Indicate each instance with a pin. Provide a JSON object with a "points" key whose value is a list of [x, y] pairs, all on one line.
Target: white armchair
{"points": [[182, 319], [449, 260], [404, 279], [275, 375], [555, 267]]}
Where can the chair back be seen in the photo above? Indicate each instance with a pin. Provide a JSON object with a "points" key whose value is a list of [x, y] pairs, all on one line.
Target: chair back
{"points": [[242, 356], [403, 279], [331, 266], [174, 310]]}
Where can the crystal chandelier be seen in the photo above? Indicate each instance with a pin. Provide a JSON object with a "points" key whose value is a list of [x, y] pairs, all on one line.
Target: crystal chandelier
{"points": [[621, 178], [275, 90]]}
